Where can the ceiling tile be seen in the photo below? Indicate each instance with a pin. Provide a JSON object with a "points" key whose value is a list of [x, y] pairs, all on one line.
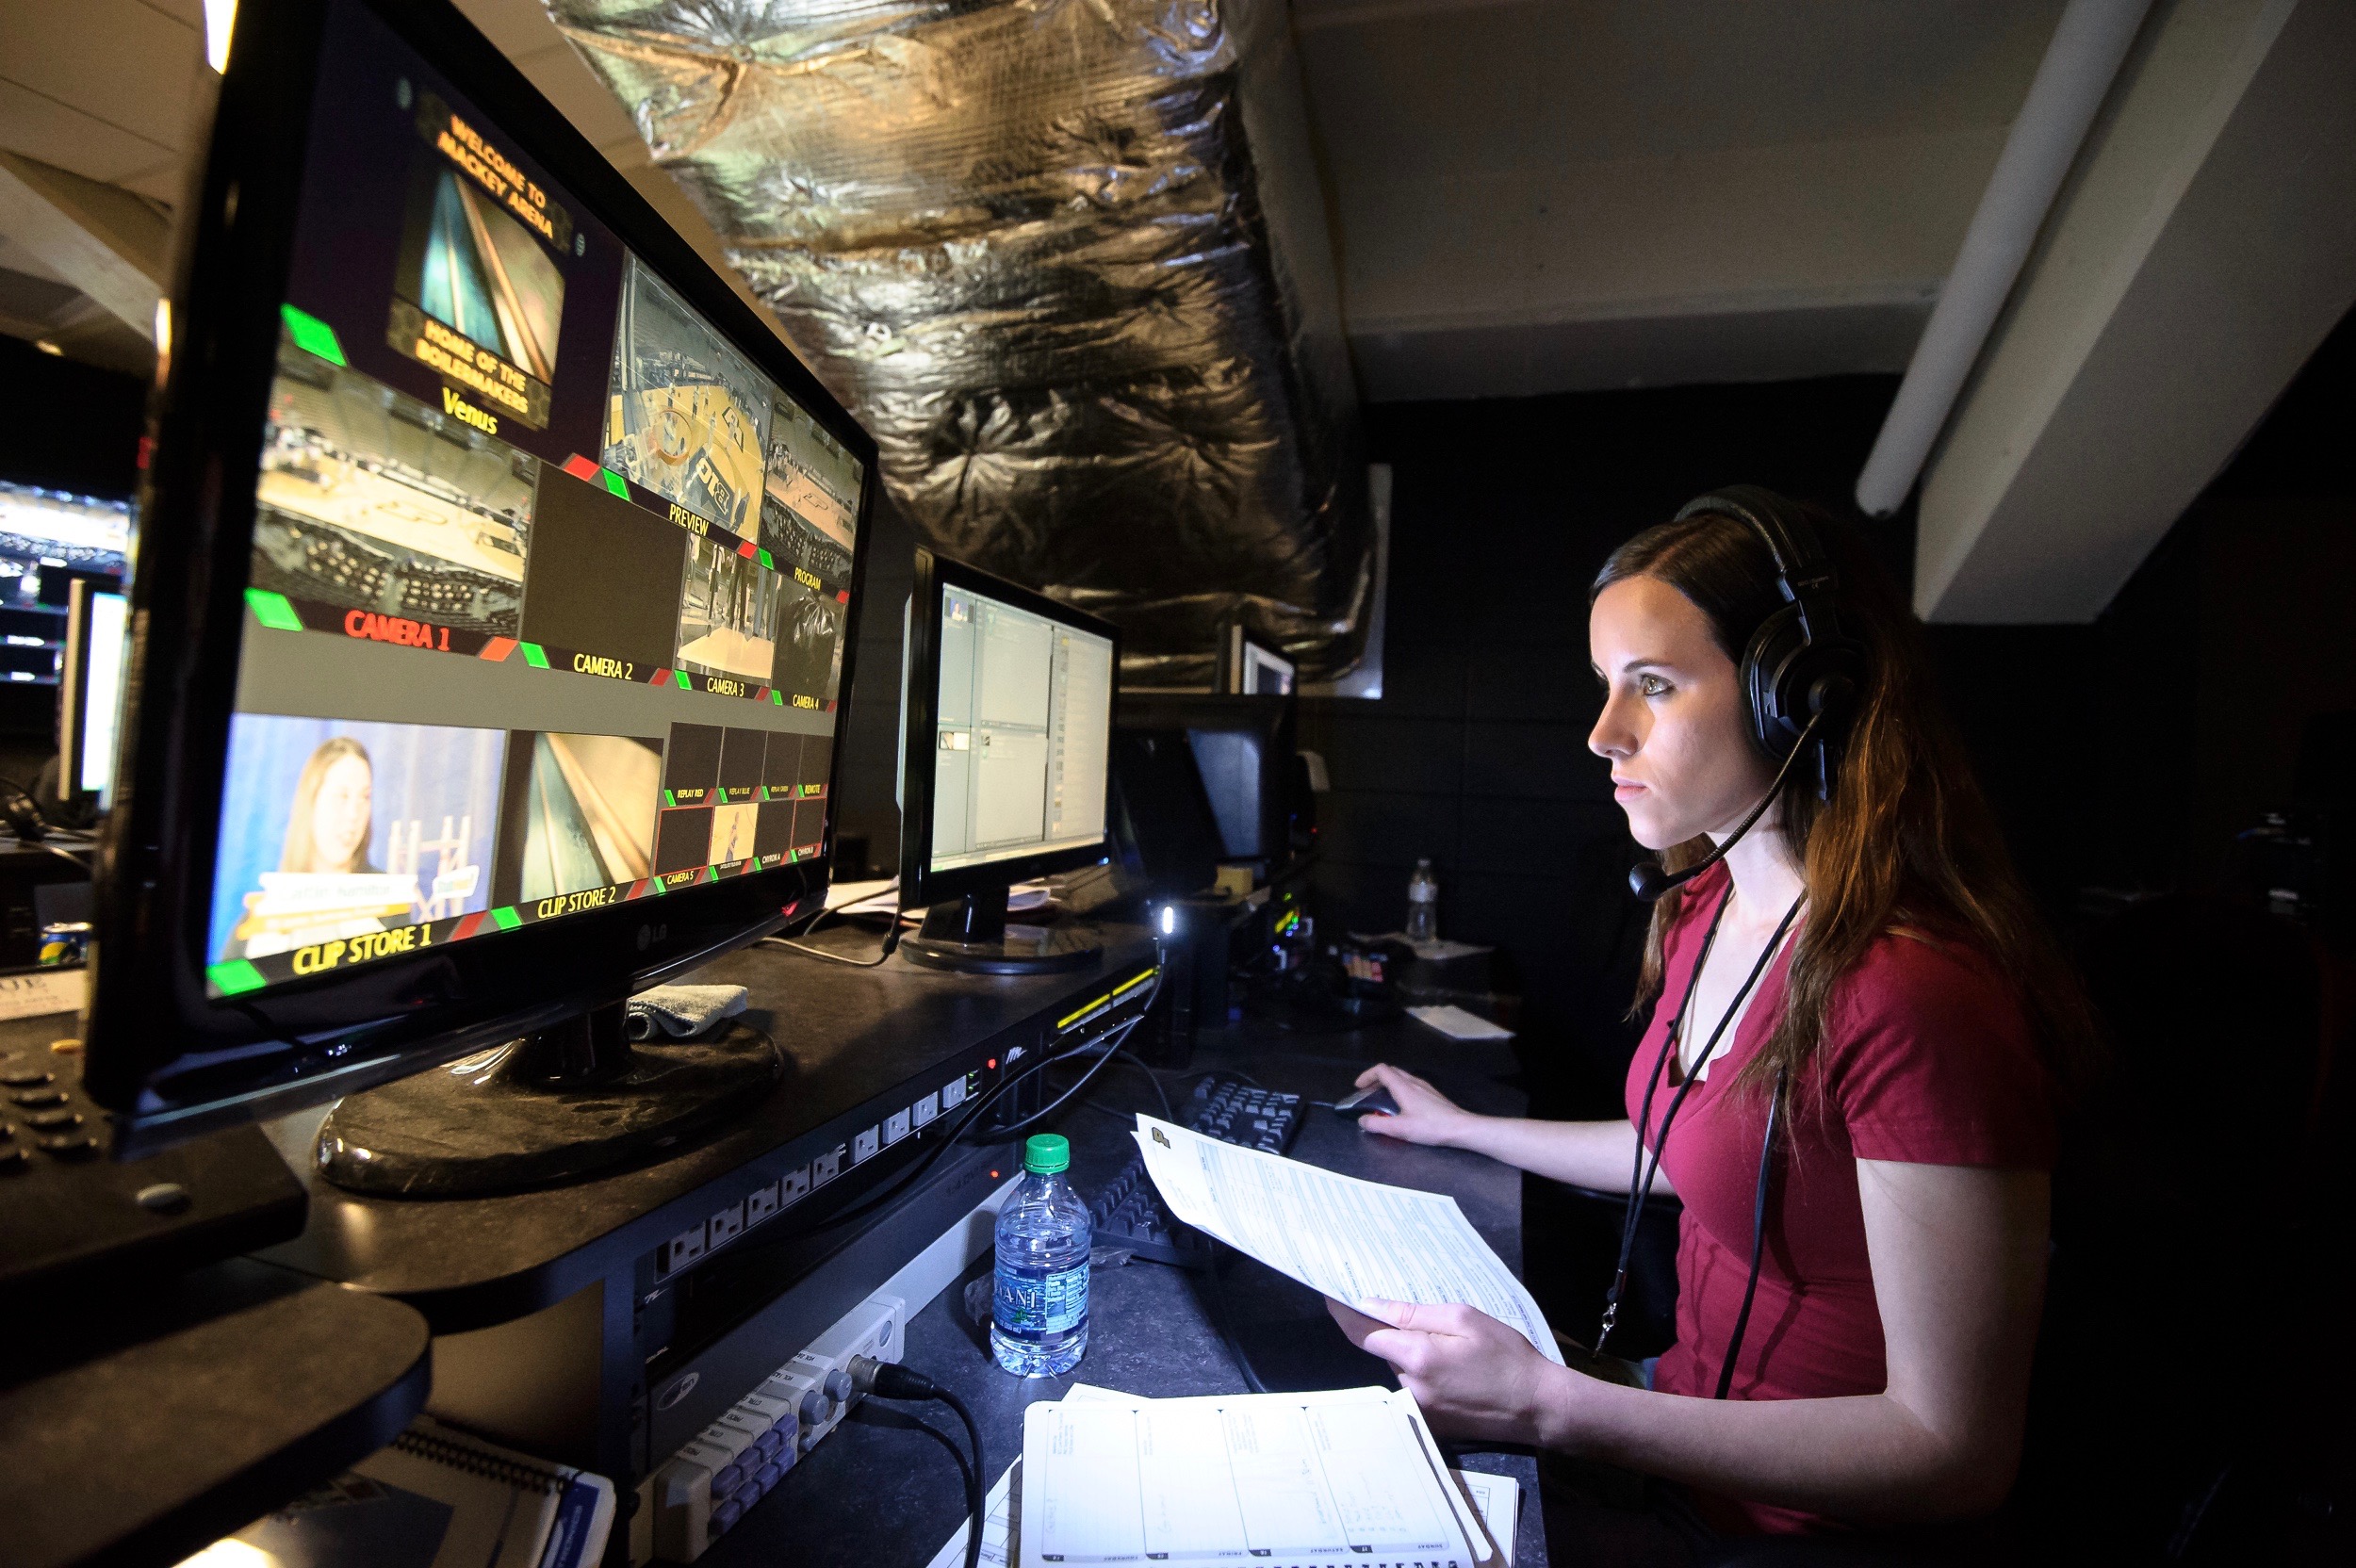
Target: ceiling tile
{"points": [[123, 63], [42, 128]]}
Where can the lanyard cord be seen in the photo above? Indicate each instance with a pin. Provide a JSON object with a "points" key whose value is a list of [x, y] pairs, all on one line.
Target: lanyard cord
{"points": [[1640, 1178]]}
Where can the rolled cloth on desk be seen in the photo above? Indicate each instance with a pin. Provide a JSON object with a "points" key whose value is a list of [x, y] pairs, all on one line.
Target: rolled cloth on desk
{"points": [[679, 1011]]}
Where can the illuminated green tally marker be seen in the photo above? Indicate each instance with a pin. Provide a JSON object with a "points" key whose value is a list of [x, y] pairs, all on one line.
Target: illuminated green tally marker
{"points": [[769, 560], [505, 918], [684, 684], [535, 655], [669, 799], [235, 978], [614, 483], [776, 696], [312, 336], [272, 610]]}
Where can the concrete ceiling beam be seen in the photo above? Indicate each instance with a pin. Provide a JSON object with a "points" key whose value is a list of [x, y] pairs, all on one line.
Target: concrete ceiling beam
{"points": [[102, 240], [2204, 245]]}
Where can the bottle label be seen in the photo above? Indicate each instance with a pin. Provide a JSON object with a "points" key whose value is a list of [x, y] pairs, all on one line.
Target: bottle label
{"points": [[1038, 1301]]}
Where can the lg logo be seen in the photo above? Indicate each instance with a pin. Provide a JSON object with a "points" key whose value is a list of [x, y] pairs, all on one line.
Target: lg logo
{"points": [[649, 935]]}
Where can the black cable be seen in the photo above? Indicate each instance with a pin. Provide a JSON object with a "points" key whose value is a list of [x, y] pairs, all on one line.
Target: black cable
{"points": [[1758, 1238], [891, 944], [889, 1381], [993, 1134], [1640, 1191]]}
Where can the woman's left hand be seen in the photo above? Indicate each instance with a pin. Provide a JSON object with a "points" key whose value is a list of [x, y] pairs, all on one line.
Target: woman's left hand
{"points": [[1472, 1376]]}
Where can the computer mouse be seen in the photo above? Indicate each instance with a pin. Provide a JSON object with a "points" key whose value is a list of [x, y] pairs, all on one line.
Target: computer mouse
{"points": [[1373, 1100]]}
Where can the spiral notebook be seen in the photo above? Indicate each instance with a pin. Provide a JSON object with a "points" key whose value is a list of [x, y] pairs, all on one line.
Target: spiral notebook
{"points": [[437, 1498], [1275, 1481]]}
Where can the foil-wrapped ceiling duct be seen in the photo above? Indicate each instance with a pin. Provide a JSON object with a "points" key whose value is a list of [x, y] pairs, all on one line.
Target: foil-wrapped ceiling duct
{"points": [[1067, 260]]}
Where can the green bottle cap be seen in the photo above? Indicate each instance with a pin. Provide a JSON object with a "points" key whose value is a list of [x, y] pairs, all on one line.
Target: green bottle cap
{"points": [[1046, 1154]]}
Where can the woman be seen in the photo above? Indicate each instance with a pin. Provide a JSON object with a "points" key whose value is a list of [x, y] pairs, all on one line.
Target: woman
{"points": [[328, 827], [1865, 967]]}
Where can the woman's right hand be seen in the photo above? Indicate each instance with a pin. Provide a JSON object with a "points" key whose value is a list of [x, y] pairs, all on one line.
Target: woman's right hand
{"points": [[1425, 1114]]}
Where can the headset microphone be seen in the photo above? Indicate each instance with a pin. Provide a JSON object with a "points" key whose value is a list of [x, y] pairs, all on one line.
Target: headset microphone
{"points": [[1649, 881]]}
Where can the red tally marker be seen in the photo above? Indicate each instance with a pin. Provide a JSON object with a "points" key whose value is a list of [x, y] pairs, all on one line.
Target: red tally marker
{"points": [[498, 648], [843, 595], [581, 468], [744, 547], [661, 678], [467, 927]]}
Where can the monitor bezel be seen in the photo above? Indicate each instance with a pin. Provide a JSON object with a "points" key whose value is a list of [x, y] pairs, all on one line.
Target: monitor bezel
{"points": [[175, 1060], [920, 885]]}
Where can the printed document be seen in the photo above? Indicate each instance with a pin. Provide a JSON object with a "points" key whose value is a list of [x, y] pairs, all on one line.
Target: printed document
{"points": [[1280, 1480], [1496, 1498], [1349, 1240]]}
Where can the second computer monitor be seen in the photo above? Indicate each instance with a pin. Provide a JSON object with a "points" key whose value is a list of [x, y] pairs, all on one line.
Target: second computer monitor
{"points": [[1009, 730]]}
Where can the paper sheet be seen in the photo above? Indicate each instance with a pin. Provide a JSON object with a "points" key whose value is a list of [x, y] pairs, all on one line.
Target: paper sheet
{"points": [[1458, 1024], [1349, 1240], [1284, 1478]]}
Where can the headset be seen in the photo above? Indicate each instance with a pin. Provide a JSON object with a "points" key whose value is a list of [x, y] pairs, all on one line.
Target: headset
{"points": [[1801, 671]]}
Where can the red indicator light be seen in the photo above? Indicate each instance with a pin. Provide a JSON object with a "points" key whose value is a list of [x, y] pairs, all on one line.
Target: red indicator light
{"points": [[993, 1175], [992, 1064]]}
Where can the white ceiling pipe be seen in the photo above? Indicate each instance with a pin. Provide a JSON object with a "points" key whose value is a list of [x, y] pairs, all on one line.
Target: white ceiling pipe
{"points": [[2071, 82]]}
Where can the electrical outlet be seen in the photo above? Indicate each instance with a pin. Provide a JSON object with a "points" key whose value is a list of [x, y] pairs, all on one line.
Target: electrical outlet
{"points": [[793, 1187], [682, 1249], [866, 1145], [826, 1168], [724, 1226], [896, 1127], [923, 1111], [953, 1094], [762, 1204]]}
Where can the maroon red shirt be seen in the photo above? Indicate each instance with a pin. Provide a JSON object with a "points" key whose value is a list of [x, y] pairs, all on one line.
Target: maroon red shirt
{"points": [[1927, 1059]]}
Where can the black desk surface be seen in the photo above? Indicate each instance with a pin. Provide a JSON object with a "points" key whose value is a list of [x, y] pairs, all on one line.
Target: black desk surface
{"points": [[881, 1492], [137, 1429], [846, 1035]]}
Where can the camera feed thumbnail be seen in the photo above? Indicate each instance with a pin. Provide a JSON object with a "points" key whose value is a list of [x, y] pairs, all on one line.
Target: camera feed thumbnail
{"points": [[727, 620], [729, 795], [809, 513], [578, 813], [480, 290], [689, 415], [605, 576], [371, 500], [334, 829], [810, 641]]}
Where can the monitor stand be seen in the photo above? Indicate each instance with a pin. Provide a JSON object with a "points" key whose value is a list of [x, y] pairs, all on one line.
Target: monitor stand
{"points": [[573, 1101], [971, 935]]}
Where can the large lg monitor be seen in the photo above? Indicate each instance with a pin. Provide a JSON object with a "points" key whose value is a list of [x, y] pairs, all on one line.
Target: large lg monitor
{"points": [[494, 601], [89, 692], [1006, 758]]}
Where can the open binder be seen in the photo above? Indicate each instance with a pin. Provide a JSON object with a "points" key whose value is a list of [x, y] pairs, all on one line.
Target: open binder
{"points": [[1349, 1479]]}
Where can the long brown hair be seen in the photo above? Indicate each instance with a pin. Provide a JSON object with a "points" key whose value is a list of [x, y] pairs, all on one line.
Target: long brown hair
{"points": [[301, 846], [1905, 844]]}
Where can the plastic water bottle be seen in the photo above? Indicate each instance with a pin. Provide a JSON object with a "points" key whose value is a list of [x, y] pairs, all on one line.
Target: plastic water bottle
{"points": [[1423, 905], [1038, 1319]]}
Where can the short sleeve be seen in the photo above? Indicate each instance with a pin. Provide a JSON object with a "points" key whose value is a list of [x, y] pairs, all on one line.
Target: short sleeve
{"points": [[1931, 1061]]}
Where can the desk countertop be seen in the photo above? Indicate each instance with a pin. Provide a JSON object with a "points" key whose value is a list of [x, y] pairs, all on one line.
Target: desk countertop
{"points": [[883, 1493], [846, 1034]]}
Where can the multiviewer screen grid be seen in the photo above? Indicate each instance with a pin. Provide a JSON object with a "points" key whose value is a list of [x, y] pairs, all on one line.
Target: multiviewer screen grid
{"points": [[1024, 724], [549, 581]]}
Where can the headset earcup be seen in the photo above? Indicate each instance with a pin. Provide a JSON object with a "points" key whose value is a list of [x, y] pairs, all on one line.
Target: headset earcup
{"points": [[1767, 687]]}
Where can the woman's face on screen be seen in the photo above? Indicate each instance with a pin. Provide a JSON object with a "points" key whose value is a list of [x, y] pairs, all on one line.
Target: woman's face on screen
{"points": [[340, 817], [1673, 724]]}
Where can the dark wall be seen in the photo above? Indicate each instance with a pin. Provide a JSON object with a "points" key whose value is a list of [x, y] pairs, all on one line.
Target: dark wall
{"points": [[871, 740]]}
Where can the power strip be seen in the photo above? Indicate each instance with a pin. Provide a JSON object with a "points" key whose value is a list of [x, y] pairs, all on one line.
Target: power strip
{"points": [[701, 1492]]}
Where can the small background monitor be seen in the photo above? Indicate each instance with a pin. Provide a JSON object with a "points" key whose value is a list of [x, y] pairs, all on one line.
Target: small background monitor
{"points": [[89, 696], [1250, 669], [1007, 761]]}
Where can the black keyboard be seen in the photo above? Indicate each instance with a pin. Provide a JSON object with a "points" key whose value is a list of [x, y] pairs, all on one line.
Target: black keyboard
{"points": [[71, 1216], [1128, 1212]]}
